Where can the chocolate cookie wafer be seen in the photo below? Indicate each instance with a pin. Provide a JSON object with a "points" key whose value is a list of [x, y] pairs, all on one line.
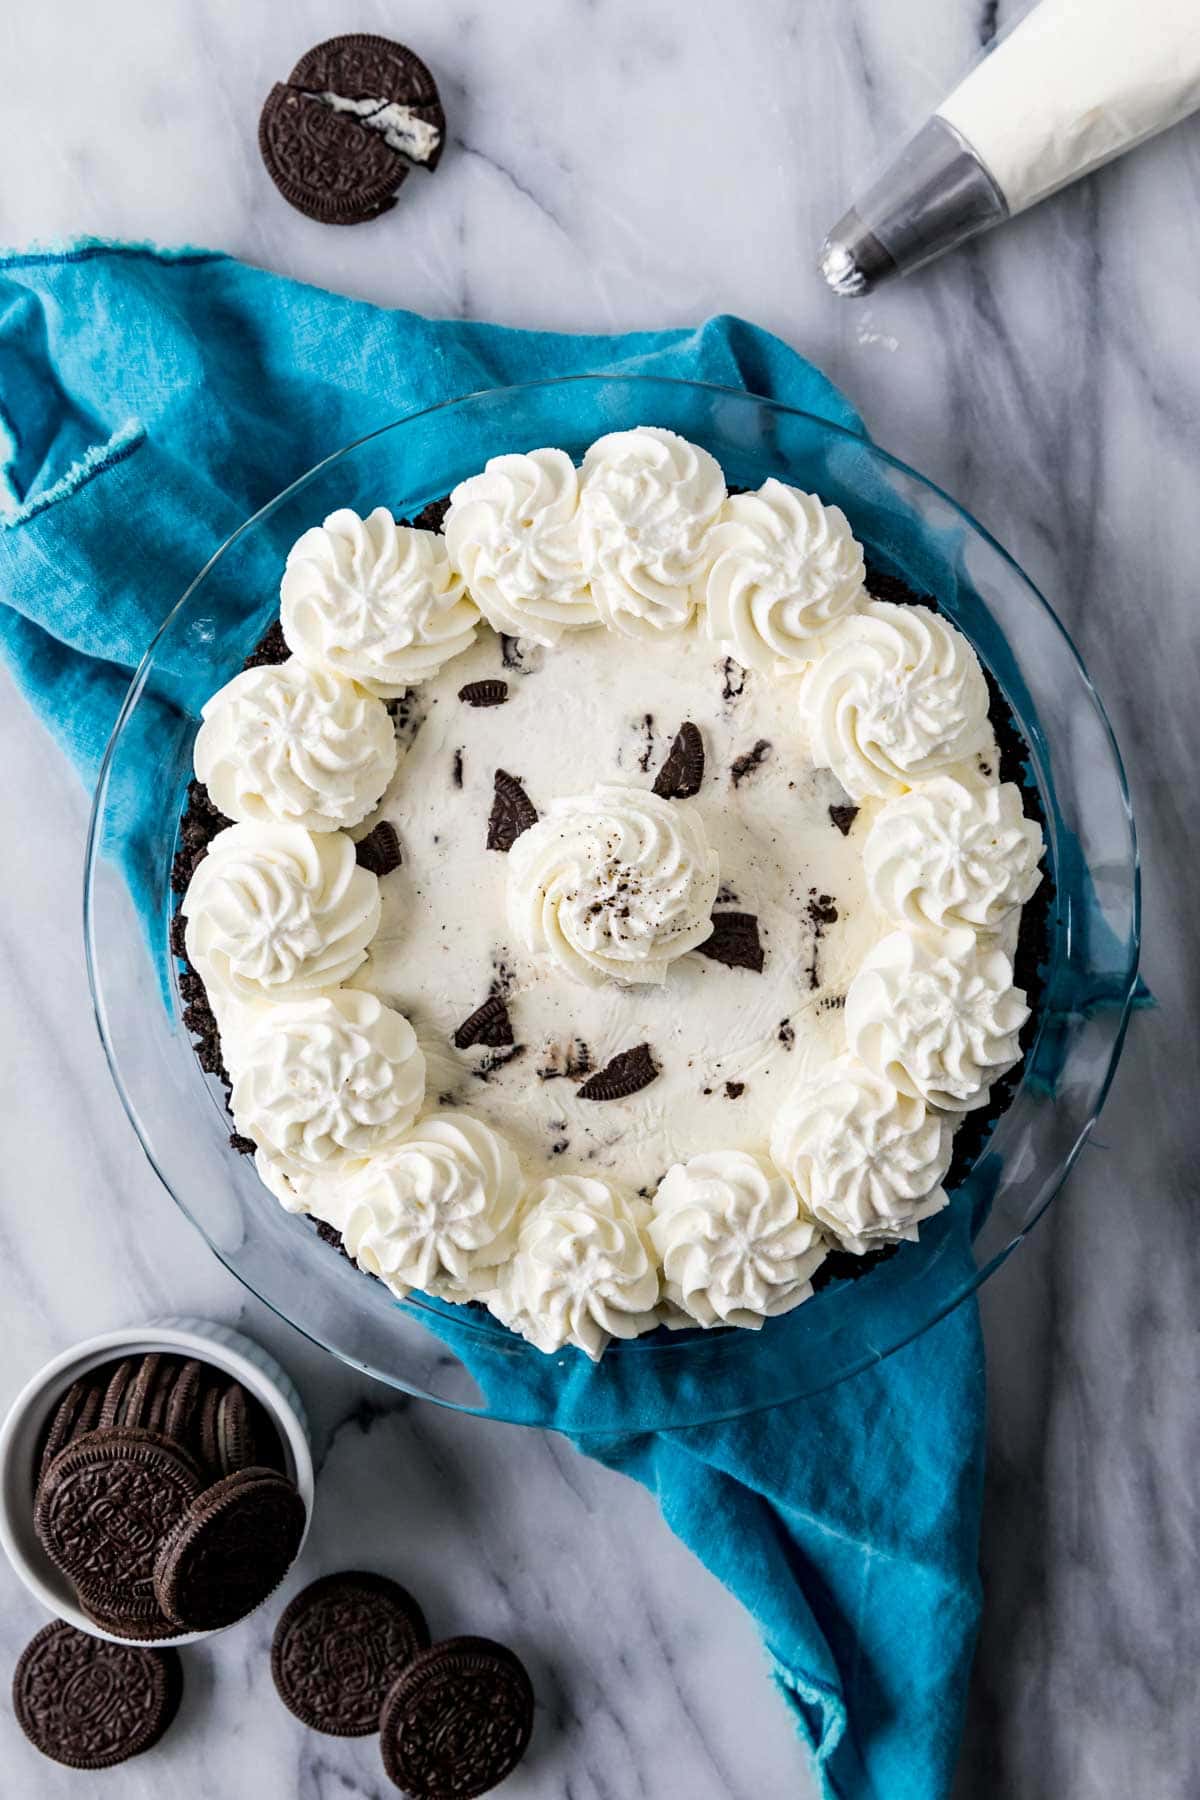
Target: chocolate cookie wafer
{"points": [[458, 1721], [231, 1547], [339, 1646], [90, 1704]]}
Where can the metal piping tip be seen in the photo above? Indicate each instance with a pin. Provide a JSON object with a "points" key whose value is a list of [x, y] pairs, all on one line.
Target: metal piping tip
{"points": [[852, 259]]}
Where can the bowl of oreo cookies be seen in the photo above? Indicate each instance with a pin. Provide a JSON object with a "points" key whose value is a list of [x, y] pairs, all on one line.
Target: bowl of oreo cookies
{"points": [[157, 1482], [636, 908]]}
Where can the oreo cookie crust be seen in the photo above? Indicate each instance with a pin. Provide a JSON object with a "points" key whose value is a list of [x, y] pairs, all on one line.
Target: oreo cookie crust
{"points": [[339, 137], [89, 1704], [340, 1645], [458, 1721], [229, 1550]]}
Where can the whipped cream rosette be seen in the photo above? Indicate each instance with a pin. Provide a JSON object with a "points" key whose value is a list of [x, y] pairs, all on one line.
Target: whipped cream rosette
{"points": [[735, 1246], [274, 912], [647, 503], [377, 602], [513, 532], [288, 745], [946, 855], [936, 1015], [437, 1211], [896, 695], [335, 1076], [584, 1270], [783, 570], [614, 885], [864, 1158]]}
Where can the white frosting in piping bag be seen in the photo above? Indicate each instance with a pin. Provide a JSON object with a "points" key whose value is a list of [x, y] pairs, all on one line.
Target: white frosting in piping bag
{"points": [[1075, 83]]}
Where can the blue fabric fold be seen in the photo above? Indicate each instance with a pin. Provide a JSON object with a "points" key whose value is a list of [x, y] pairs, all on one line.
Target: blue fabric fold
{"points": [[149, 402]]}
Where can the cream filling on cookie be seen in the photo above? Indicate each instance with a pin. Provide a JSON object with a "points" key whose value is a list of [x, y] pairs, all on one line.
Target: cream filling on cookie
{"points": [[730, 1043]]}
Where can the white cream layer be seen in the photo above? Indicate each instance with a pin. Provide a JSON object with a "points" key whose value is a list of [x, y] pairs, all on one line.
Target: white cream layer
{"points": [[600, 708]]}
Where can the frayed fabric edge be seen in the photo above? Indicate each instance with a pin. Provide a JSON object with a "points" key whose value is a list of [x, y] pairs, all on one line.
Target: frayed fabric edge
{"points": [[78, 249], [123, 441]]}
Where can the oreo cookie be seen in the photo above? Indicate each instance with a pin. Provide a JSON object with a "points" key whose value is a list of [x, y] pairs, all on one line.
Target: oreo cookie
{"points": [[734, 941], [489, 1024], [843, 818], [104, 1505], [626, 1074], [458, 1721], [340, 135], [379, 851], [683, 771], [484, 693], [229, 1549], [513, 812], [236, 1446], [340, 1645], [67, 1420], [90, 1704]]}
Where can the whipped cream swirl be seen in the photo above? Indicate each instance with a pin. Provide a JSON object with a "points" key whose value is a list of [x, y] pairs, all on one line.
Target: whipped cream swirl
{"points": [[938, 1016], [375, 601], [733, 1242], [783, 569], [613, 885], [437, 1211], [647, 502], [295, 746], [338, 1075], [513, 531], [898, 694], [864, 1158], [947, 855], [584, 1271], [274, 912]]}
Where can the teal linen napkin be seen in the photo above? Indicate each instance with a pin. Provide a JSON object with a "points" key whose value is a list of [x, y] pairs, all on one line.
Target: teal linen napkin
{"points": [[149, 402]]}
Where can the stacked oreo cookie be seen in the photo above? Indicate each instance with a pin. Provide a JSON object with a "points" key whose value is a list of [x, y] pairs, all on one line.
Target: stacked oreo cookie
{"points": [[351, 1656], [161, 1493]]}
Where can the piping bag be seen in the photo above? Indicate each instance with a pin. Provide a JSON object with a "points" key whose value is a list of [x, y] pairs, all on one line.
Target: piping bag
{"points": [[1071, 85]]}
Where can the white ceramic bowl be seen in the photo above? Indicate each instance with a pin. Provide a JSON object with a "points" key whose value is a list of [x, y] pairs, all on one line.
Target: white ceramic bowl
{"points": [[21, 1433]]}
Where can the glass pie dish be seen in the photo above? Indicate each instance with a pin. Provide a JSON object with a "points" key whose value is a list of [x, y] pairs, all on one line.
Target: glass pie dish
{"points": [[461, 1357]]}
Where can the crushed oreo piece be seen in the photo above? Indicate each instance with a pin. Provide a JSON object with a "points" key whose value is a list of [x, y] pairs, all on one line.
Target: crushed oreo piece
{"points": [[243, 1145], [683, 771], [489, 1024], [734, 1090], [511, 654], [456, 769], [843, 817], [734, 942], [745, 765], [626, 1074], [786, 1033], [176, 937], [499, 1059], [733, 683], [270, 649], [432, 516], [570, 1061], [646, 728], [822, 911], [512, 812], [379, 851], [484, 693]]}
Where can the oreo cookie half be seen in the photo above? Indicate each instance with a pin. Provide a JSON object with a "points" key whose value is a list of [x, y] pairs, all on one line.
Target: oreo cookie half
{"points": [[90, 1704], [340, 1645], [683, 771], [626, 1074], [734, 941], [339, 137], [513, 812], [458, 1721]]}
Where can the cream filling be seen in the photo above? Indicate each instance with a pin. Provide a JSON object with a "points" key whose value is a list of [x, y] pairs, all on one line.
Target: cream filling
{"points": [[598, 708]]}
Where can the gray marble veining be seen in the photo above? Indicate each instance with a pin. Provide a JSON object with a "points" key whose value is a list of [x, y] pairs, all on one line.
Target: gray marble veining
{"points": [[614, 165]]}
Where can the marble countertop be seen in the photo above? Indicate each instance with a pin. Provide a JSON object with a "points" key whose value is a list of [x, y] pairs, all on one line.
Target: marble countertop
{"points": [[614, 165]]}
